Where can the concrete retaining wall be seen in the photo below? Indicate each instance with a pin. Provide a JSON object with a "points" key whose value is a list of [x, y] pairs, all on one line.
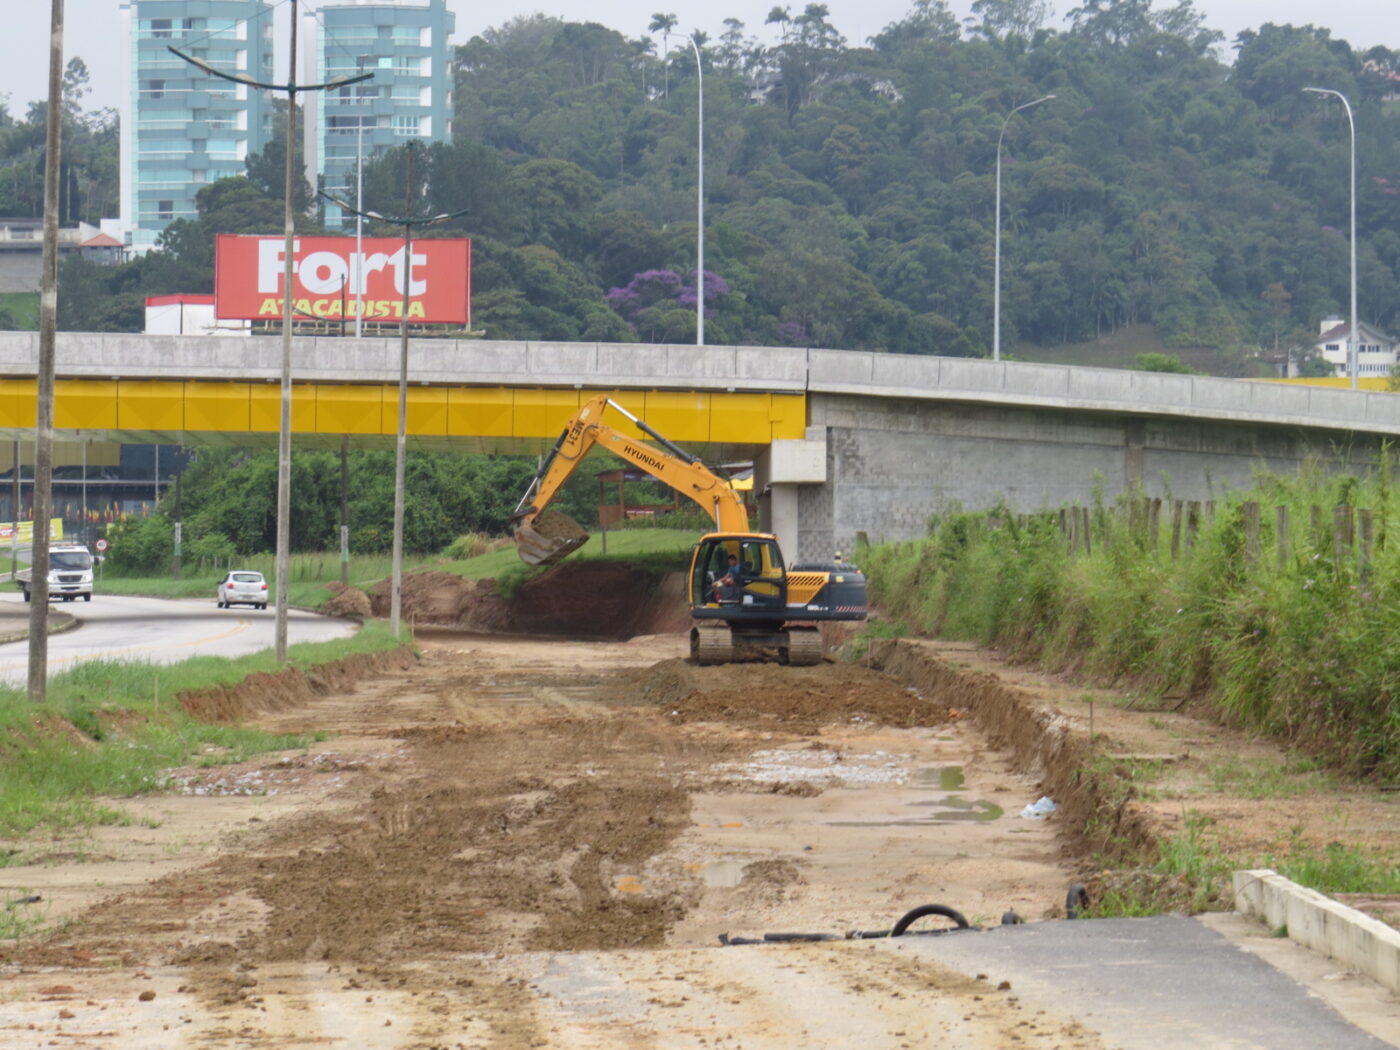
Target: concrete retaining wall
{"points": [[1317, 922]]}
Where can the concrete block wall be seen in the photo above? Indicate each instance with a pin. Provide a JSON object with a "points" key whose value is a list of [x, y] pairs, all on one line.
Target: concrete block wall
{"points": [[895, 462]]}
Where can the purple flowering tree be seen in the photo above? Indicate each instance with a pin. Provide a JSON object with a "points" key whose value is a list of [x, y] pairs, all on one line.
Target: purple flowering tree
{"points": [[793, 333], [651, 297], [645, 290]]}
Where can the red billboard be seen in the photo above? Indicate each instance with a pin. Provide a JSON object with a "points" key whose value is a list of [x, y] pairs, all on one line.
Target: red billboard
{"points": [[330, 279]]}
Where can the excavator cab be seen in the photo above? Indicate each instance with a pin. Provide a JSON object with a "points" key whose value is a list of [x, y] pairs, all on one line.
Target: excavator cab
{"points": [[754, 582]]}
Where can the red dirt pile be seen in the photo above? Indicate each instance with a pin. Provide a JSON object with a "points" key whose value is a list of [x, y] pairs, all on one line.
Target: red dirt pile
{"points": [[346, 601]]}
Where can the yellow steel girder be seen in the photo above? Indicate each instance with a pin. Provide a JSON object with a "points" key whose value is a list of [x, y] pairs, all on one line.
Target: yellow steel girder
{"points": [[230, 409]]}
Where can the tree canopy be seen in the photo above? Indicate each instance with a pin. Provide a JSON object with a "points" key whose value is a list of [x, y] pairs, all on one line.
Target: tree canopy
{"points": [[849, 186]]}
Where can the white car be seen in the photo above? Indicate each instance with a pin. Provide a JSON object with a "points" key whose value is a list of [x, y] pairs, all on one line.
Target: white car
{"points": [[242, 588]]}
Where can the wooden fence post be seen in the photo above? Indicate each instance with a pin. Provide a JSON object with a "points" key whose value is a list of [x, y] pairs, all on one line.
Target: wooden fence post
{"points": [[1193, 523], [1250, 511], [1366, 531], [1281, 534], [1341, 533], [1176, 529], [1084, 520]]}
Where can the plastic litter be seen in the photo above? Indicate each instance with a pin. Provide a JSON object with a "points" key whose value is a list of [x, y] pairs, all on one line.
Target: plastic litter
{"points": [[1041, 807]]}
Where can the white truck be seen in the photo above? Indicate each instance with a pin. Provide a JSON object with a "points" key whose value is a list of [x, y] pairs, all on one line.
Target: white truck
{"points": [[70, 573]]}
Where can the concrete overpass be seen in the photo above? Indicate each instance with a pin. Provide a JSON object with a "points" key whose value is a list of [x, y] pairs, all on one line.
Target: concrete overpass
{"points": [[844, 441]]}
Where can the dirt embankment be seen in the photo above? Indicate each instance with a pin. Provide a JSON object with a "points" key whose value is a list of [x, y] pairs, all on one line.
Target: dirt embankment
{"points": [[264, 693], [1094, 811], [577, 599]]}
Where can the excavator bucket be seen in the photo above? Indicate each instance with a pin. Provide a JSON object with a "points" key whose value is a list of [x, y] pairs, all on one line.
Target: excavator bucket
{"points": [[551, 537]]}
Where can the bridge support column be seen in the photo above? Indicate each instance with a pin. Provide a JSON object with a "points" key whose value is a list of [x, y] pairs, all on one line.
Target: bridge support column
{"points": [[779, 473]]}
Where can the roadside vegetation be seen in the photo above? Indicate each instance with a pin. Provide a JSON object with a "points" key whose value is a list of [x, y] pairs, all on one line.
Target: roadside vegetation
{"points": [[1286, 633], [473, 556], [112, 730]]}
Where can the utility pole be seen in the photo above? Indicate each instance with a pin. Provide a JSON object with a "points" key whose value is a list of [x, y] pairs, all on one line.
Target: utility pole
{"points": [[43, 410]]}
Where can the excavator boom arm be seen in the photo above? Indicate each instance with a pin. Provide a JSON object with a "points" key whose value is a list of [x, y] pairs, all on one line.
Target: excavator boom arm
{"points": [[668, 463]]}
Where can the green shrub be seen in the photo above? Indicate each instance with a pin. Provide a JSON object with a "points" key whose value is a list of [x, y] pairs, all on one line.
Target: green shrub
{"points": [[141, 546]]}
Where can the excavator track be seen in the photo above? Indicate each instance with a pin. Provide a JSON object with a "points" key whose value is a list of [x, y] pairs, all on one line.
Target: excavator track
{"points": [[804, 646], [711, 645]]}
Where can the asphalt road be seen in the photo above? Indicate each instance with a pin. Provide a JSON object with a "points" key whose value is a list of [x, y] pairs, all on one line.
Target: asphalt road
{"points": [[155, 630], [1164, 983]]}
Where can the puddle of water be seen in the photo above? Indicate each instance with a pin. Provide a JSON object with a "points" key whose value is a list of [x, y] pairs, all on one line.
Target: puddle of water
{"points": [[953, 809], [949, 778]]}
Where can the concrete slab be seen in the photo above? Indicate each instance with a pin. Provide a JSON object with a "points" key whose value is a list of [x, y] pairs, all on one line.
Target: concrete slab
{"points": [[1164, 983]]}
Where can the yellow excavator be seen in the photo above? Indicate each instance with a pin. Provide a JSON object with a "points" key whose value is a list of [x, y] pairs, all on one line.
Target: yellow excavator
{"points": [[744, 600]]}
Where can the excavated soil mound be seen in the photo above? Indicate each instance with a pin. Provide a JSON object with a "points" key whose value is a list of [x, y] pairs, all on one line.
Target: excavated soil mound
{"points": [[579, 599], [346, 601], [555, 525], [427, 597], [798, 699]]}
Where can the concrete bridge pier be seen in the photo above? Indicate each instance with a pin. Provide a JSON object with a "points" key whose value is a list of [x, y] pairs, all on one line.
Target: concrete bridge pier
{"points": [[783, 472]]}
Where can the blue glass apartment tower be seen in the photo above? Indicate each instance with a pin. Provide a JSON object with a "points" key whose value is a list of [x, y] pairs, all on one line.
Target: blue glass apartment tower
{"points": [[406, 45], [180, 127]]}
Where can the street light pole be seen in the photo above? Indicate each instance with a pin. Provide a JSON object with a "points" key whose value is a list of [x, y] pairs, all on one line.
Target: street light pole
{"points": [[407, 221], [359, 227], [284, 434], [284, 429], [1353, 347], [996, 251], [699, 195]]}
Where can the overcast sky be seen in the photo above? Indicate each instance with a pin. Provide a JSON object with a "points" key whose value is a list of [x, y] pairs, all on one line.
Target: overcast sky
{"points": [[92, 27]]}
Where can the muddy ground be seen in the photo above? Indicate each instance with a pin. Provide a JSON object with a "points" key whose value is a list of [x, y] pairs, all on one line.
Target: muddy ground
{"points": [[506, 828], [514, 841]]}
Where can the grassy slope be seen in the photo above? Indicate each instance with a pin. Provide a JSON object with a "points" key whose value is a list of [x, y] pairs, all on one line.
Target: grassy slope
{"points": [[106, 733], [310, 573]]}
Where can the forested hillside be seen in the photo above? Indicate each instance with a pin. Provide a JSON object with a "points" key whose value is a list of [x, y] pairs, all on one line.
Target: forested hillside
{"points": [[850, 186]]}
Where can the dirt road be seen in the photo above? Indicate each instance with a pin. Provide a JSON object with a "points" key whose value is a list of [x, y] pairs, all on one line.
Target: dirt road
{"points": [[520, 843]]}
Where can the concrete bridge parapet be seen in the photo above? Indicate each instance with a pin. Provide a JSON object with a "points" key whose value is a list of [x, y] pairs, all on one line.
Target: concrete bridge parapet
{"points": [[323, 359]]}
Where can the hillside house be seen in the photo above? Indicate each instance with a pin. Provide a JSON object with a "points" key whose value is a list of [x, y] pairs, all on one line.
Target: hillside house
{"points": [[1376, 351]]}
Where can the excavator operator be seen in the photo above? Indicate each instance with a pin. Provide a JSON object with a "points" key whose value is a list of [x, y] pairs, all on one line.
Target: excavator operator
{"points": [[729, 587]]}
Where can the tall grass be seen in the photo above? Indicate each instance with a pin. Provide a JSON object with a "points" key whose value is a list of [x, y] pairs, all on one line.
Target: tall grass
{"points": [[1302, 648]]}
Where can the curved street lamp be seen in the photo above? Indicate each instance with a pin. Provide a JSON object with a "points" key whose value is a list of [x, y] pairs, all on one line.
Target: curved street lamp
{"points": [[284, 436], [408, 222], [996, 263], [699, 196], [1353, 348]]}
